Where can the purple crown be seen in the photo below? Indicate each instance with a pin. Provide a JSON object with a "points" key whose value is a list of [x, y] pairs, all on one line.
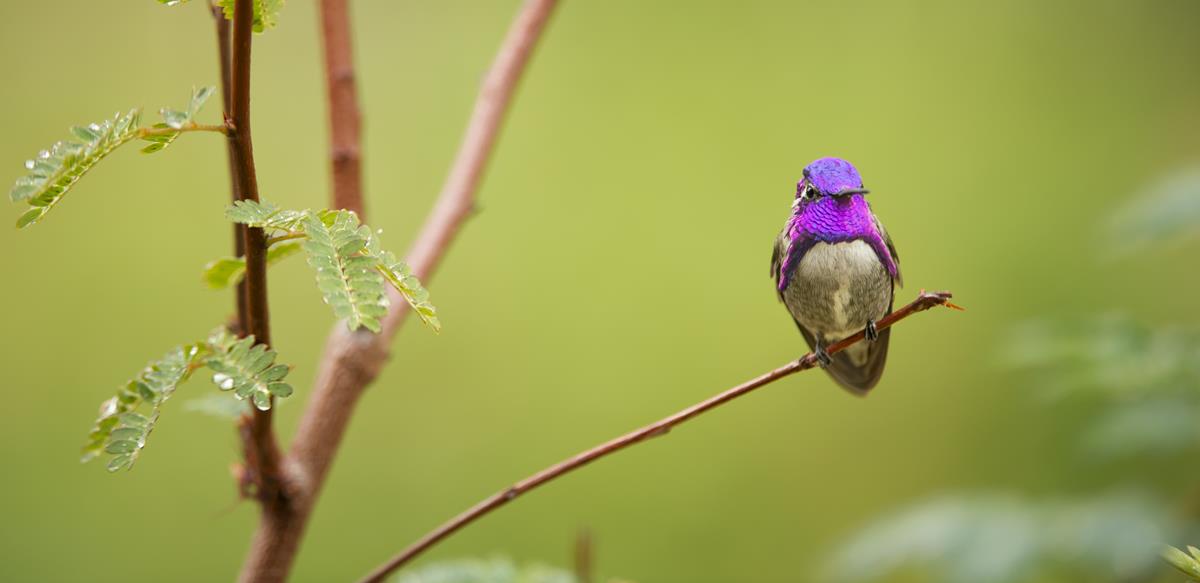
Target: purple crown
{"points": [[830, 175]]}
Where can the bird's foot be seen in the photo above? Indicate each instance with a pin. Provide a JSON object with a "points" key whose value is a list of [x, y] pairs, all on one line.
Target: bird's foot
{"points": [[871, 332], [823, 358]]}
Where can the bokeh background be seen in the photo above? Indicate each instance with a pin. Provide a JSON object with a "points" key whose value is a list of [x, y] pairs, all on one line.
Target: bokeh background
{"points": [[616, 273]]}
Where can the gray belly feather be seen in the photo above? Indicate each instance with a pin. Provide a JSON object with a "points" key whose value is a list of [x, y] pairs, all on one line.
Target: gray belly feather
{"points": [[837, 288]]}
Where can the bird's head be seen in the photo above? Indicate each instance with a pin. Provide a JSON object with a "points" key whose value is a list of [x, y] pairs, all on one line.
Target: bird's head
{"points": [[828, 177]]}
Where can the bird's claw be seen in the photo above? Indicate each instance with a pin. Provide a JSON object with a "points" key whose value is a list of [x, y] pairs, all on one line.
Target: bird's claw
{"points": [[871, 332], [823, 358]]}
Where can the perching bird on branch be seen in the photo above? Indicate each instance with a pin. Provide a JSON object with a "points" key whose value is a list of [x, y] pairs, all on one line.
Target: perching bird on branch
{"points": [[835, 269]]}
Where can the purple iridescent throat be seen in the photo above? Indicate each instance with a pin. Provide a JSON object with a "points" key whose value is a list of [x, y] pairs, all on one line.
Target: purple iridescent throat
{"points": [[821, 218]]}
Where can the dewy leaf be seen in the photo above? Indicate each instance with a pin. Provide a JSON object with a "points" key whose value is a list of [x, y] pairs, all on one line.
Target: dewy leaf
{"points": [[346, 275], [226, 271], [246, 368], [199, 97], [266, 12], [53, 172], [264, 215], [174, 119], [401, 277], [350, 265], [122, 431]]}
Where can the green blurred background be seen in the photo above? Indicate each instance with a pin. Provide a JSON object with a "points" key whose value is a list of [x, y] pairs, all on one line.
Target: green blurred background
{"points": [[616, 273]]}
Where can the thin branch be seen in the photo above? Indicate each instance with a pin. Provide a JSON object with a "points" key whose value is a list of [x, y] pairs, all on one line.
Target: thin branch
{"points": [[239, 241], [345, 121], [352, 360], [923, 302], [262, 454], [457, 199]]}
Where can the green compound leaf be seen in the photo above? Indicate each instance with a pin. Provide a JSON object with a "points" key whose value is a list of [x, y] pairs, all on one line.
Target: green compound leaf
{"points": [[120, 430], [264, 215], [246, 368], [53, 172], [351, 266], [346, 275], [266, 12], [400, 275], [173, 119], [226, 271]]}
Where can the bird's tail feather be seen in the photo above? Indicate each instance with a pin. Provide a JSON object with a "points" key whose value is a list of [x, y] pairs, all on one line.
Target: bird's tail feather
{"points": [[858, 379]]}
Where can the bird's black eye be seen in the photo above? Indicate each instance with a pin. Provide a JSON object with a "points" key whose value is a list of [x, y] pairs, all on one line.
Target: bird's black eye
{"points": [[809, 191]]}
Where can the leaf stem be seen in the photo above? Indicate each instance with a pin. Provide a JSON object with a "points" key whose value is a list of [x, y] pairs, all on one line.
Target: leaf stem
{"points": [[188, 127], [286, 237]]}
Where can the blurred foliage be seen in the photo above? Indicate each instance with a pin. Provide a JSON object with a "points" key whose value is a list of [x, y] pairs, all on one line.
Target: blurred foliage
{"points": [[1141, 388], [1187, 563], [1141, 383], [1167, 211], [218, 406], [266, 12], [496, 570], [227, 271], [1007, 538]]}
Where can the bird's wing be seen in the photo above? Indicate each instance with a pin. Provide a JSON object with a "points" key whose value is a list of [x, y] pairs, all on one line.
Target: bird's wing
{"points": [[778, 254], [891, 247]]}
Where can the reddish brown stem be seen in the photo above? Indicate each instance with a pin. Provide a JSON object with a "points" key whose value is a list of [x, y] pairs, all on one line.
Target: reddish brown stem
{"points": [[260, 450], [352, 360], [923, 302], [239, 241], [345, 120], [584, 556], [458, 193]]}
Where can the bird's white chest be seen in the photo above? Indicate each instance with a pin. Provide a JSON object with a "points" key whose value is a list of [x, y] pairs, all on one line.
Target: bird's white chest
{"points": [[835, 273]]}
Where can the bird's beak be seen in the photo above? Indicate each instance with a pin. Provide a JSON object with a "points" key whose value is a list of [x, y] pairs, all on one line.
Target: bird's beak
{"points": [[849, 191]]}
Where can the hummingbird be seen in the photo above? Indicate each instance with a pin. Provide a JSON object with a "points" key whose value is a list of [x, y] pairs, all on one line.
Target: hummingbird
{"points": [[836, 269]]}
